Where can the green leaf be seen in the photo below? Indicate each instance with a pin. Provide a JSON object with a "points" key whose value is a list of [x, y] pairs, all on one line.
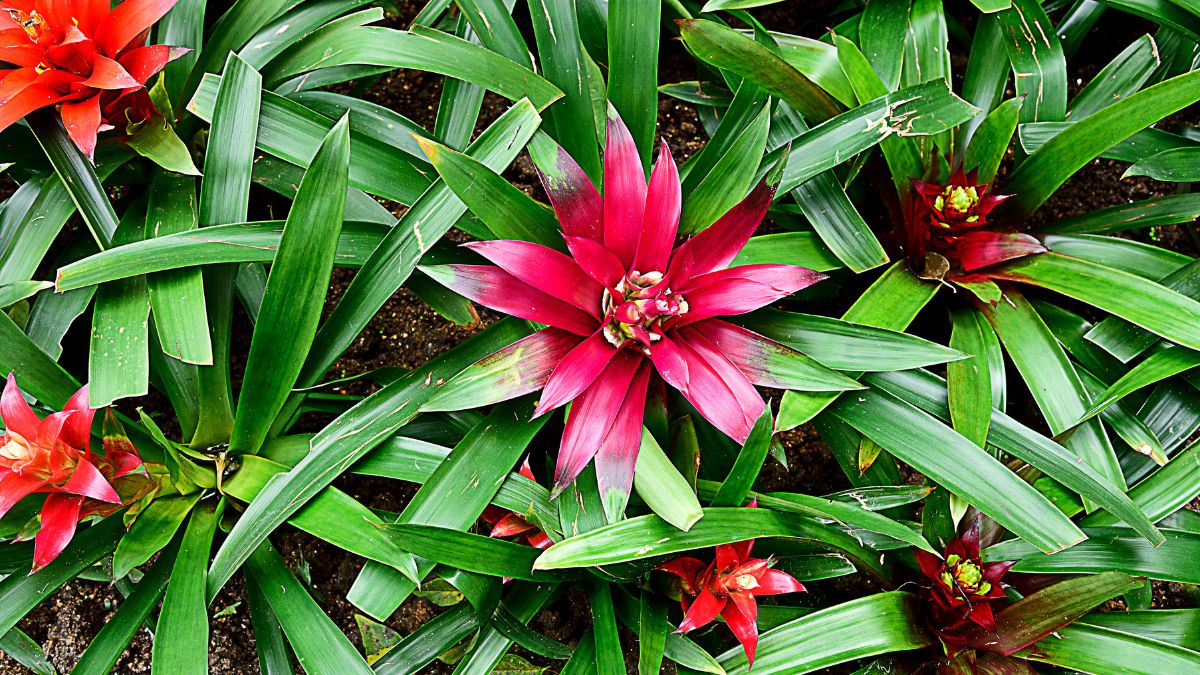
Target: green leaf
{"points": [[975, 385], [990, 141], [295, 293], [339, 444], [731, 51], [524, 601], [21, 648], [652, 633], [428, 642], [1111, 548], [818, 61], [12, 293], [157, 141], [419, 48], [1039, 65], [1123, 76], [1135, 147], [1180, 627], [469, 552], [507, 211], [987, 73], [847, 513], [1168, 210], [1165, 491], [118, 357], [1181, 165], [926, 391], [610, 657], [788, 248], [876, 624], [41, 376], [556, 27], [177, 298], [21, 593], [650, 536], [729, 179], [320, 645], [1166, 14], [1039, 176], [1053, 382], [181, 633], [293, 132], [633, 35], [154, 528], [1126, 341], [749, 101], [881, 33], [749, 463], [235, 27], [398, 254], [485, 457], [238, 243], [524, 636], [989, 486], [1150, 305], [1135, 257], [659, 484], [77, 174], [1155, 368], [377, 638], [1099, 650], [844, 345]]}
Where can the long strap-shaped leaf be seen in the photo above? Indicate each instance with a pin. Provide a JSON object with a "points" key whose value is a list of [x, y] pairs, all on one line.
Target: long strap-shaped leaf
{"points": [[295, 292], [320, 646], [181, 634], [343, 441], [989, 486], [77, 174], [928, 392], [1100, 650], [1110, 548]]}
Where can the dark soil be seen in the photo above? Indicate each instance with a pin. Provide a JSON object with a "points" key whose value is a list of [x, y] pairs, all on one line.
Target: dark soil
{"points": [[406, 333]]}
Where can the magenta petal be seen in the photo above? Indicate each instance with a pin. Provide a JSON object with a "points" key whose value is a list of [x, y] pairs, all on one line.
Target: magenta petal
{"points": [[596, 261], [661, 221], [704, 609], [617, 457], [717, 388], [18, 417], [50, 429], [750, 352], [493, 287], [87, 481], [591, 416], [741, 616], [544, 269], [982, 249], [738, 290], [670, 362], [60, 515], [77, 432], [576, 372], [576, 202], [718, 244], [624, 190], [14, 487]]}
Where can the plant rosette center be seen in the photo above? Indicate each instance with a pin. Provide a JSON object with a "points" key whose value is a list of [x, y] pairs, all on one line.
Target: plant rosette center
{"points": [[635, 311], [964, 576]]}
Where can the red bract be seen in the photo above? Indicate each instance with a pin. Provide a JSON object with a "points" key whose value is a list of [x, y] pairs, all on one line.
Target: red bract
{"points": [[53, 455], [727, 587], [948, 222], [627, 304], [81, 54], [506, 523], [962, 590]]}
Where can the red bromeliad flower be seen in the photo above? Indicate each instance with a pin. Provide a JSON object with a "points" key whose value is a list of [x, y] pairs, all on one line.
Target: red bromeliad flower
{"points": [[728, 587], [54, 455], [627, 304], [946, 230], [963, 590], [506, 523], [91, 59]]}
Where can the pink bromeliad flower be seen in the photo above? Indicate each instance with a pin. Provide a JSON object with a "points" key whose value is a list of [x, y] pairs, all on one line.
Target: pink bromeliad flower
{"points": [[54, 455], [628, 304]]}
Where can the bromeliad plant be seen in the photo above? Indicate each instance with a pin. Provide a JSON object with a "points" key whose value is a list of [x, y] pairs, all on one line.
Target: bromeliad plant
{"points": [[854, 151]]}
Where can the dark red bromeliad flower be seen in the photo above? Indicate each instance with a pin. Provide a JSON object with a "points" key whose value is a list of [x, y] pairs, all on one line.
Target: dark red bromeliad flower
{"points": [[727, 587], [506, 523], [962, 590], [948, 235], [54, 455], [628, 304], [84, 55]]}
